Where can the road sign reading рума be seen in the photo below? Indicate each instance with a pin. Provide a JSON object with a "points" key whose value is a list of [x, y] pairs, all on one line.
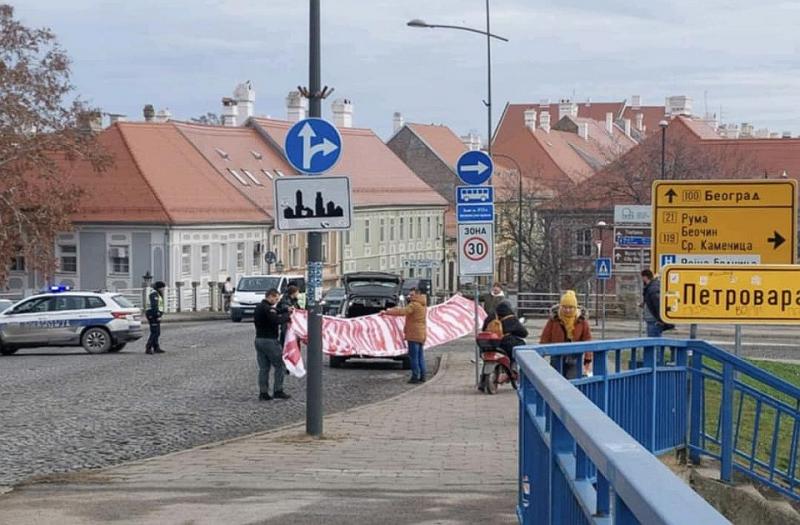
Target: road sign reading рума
{"points": [[725, 222], [313, 146], [475, 249]]}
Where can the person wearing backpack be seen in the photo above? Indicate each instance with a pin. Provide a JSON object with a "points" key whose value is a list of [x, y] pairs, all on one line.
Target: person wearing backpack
{"points": [[568, 325], [505, 324]]}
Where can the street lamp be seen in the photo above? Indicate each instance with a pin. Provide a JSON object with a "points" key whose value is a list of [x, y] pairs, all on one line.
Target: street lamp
{"points": [[416, 22], [519, 222], [599, 245], [663, 125]]}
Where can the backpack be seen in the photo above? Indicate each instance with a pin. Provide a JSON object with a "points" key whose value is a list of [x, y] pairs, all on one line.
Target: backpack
{"points": [[495, 326]]}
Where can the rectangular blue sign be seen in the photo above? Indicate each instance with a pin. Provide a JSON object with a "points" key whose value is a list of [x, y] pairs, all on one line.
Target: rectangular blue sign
{"points": [[474, 194], [602, 267], [475, 212], [628, 241]]}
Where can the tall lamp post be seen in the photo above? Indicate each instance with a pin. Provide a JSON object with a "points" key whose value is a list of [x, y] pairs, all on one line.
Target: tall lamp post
{"points": [[519, 222], [601, 225], [663, 124]]}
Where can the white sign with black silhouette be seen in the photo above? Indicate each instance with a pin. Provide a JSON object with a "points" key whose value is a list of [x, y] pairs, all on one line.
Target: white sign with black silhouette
{"points": [[313, 203]]}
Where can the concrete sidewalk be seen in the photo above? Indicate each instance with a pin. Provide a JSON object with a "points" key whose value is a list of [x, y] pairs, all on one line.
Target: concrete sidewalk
{"points": [[441, 453]]}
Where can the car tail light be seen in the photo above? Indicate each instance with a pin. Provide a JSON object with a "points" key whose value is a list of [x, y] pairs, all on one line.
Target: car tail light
{"points": [[120, 315]]}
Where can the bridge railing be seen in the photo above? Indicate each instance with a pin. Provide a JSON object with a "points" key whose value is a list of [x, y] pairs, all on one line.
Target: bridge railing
{"points": [[576, 465]]}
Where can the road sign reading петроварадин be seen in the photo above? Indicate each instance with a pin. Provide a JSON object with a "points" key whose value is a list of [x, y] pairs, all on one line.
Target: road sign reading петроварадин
{"points": [[724, 222], [474, 167], [743, 294], [312, 203], [313, 146], [475, 249]]}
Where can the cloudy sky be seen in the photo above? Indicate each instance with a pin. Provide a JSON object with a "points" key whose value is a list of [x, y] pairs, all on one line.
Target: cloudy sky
{"points": [[737, 56]]}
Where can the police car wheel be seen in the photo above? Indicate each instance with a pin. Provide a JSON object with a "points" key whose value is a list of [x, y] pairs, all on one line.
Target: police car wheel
{"points": [[117, 347], [96, 340]]}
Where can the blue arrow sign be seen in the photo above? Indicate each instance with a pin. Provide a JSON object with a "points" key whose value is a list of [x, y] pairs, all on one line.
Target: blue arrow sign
{"points": [[628, 240], [474, 167], [602, 268], [313, 146]]}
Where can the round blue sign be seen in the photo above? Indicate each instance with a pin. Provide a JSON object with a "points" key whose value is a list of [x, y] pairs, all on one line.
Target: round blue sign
{"points": [[474, 167], [313, 146]]}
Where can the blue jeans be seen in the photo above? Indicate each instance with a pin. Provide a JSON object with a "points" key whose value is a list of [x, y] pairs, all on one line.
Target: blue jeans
{"points": [[654, 329], [417, 360]]}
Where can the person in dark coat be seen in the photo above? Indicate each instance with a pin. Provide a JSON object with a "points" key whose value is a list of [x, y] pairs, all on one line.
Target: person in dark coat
{"points": [[568, 325], [290, 300], [269, 351], [651, 298], [514, 333], [154, 313]]}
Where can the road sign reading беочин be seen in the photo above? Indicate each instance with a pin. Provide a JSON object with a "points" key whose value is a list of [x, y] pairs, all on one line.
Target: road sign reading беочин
{"points": [[724, 222], [744, 294]]}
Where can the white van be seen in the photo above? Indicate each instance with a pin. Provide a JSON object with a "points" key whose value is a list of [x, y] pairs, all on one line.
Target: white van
{"points": [[250, 291]]}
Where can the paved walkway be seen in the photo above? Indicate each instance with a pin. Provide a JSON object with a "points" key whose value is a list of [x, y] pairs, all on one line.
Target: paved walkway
{"points": [[441, 453]]}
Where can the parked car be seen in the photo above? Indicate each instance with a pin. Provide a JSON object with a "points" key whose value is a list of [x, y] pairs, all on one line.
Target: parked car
{"points": [[99, 322], [4, 304], [332, 301], [368, 293], [250, 291]]}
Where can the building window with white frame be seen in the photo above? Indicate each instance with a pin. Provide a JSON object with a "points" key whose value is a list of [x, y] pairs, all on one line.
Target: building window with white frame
{"points": [[366, 231], [430, 232], [223, 257], [419, 228], [17, 264], [583, 244], [411, 228], [205, 259], [276, 246], [391, 229], [186, 260], [383, 230], [401, 229], [67, 255], [257, 254], [240, 256], [120, 260]]}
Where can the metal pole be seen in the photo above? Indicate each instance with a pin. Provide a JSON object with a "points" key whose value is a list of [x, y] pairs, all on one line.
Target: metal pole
{"points": [[477, 350], [663, 155], [597, 304], [489, 80], [641, 292], [314, 354], [737, 340], [519, 237], [603, 325]]}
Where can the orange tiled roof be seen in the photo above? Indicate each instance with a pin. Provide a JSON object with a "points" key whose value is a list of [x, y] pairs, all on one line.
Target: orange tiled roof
{"points": [[377, 176], [441, 141], [597, 111]]}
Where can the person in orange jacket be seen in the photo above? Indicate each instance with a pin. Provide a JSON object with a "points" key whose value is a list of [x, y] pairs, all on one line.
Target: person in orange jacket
{"points": [[414, 331], [568, 325]]}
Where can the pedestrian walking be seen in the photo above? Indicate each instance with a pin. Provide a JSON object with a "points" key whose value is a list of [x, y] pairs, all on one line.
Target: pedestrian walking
{"points": [[227, 294], [154, 313], [568, 325], [651, 300], [414, 331], [269, 352], [495, 297]]}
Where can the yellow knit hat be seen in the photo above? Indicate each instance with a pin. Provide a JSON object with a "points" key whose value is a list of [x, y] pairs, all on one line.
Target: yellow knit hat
{"points": [[569, 299]]}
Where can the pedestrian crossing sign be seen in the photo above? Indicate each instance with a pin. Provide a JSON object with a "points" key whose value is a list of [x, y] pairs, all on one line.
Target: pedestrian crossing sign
{"points": [[602, 267]]}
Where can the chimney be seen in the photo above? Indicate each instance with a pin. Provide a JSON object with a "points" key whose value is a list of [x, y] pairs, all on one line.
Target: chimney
{"points": [[149, 112], [640, 122], [296, 106], [627, 127], [583, 130], [544, 121], [342, 113], [530, 118], [113, 118], [610, 123], [397, 121], [786, 135], [230, 111], [567, 108], [678, 105], [90, 121], [472, 141], [163, 115], [245, 96], [636, 101]]}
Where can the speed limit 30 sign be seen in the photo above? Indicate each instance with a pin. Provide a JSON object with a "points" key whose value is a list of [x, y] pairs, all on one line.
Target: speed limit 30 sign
{"points": [[475, 249]]}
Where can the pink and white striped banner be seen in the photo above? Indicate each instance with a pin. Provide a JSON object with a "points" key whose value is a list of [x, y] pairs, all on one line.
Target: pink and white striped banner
{"points": [[378, 336]]}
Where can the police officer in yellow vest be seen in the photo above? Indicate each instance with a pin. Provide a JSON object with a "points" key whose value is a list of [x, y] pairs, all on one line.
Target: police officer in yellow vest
{"points": [[154, 314]]}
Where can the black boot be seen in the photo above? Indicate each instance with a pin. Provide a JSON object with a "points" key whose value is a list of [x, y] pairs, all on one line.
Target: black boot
{"points": [[158, 350], [148, 349]]}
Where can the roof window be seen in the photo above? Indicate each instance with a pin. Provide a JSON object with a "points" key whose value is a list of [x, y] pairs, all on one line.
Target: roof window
{"points": [[222, 154], [257, 155], [268, 174], [280, 173], [251, 177], [238, 177]]}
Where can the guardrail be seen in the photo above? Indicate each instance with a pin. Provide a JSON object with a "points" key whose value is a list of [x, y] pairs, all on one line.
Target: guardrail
{"points": [[669, 394], [540, 304], [577, 466]]}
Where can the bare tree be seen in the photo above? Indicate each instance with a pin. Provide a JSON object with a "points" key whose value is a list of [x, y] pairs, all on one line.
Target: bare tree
{"points": [[39, 134], [209, 119]]}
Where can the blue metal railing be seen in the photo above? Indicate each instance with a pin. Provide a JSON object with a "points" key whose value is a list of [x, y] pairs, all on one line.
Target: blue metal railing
{"points": [[669, 394], [577, 466]]}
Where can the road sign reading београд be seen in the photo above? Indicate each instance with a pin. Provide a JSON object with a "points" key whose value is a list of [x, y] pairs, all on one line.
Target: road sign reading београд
{"points": [[313, 146]]}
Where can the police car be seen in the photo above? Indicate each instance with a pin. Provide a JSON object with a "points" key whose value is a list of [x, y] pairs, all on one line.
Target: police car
{"points": [[99, 322]]}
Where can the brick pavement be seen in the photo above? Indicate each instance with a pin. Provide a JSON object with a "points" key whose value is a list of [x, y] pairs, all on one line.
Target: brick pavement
{"points": [[440, 453]]}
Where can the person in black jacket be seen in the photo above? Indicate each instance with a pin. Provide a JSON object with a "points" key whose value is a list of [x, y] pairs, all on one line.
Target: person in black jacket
{"points": [[651, 298], [514, 333], [269, 351], [288, 301], [154, 313]]}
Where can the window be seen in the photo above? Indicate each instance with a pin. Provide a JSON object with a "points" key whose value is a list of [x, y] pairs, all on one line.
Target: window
{"points": [[410, 228], [221, 153], [95, 302], [67, 255], [70, 302], [439, 228], [401, 230], [294, 257], [256, 254], [583, 245], [324, 247], [366, 231], [186, 260], [42, 304], [347, 238], [240, 256], [256, 154], [276, 246], [391, 229], [251, 177], [383, 230], [430, 232], [223, 257], [119, 259], [269, 175], [280, 173], [205, 259], [419, 227], [17, 263], [238, 177]]}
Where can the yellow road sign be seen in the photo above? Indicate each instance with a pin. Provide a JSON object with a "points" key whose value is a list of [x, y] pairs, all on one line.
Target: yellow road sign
{"points": [[744, 294], [724, 222]]}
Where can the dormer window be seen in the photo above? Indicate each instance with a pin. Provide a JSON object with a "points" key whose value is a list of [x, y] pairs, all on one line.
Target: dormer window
{"points": [[222, 154]]}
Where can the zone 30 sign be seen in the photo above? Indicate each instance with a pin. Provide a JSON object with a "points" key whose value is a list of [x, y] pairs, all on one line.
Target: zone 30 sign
{"points": [[475, 255]]}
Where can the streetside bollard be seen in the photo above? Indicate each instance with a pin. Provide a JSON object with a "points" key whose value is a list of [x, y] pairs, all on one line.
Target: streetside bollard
{"points": [[195, 284], [178, 294], [212, 286]]}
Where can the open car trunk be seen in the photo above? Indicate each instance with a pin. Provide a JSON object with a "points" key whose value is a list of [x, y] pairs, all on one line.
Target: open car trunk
{"points": [[360, 306]]}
